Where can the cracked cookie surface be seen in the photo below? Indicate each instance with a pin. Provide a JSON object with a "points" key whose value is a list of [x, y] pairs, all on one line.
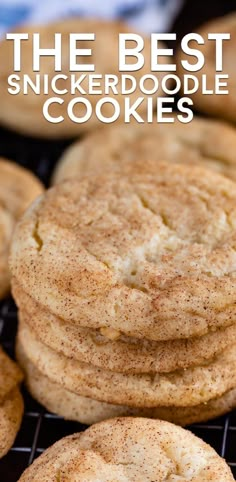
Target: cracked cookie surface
{"points": [[150, 256], [130, 449]]}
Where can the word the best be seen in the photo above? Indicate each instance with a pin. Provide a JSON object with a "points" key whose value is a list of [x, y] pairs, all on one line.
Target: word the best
{"points": [[76, 74]]}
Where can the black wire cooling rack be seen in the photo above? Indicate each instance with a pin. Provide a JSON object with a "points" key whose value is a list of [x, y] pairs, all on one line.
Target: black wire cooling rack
{"points": [[41, 429]]}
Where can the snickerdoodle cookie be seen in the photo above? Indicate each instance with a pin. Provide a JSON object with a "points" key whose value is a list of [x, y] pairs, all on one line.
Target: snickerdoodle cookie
{"points": [[130, 449], [18, 188], [150, 256], [71, 406], [181, 388], [205, 142], [11, 402], [120, 354], [24, 113], [222, 106]]}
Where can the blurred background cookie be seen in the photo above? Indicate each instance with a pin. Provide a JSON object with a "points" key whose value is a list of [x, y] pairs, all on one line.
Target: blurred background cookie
{"points": [[18, 188], [24, 113], [222, 106], [204, 142]]}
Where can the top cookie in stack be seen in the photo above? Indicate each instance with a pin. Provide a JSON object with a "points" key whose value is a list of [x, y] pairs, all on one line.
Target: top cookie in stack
{"points": [[141, 265]]}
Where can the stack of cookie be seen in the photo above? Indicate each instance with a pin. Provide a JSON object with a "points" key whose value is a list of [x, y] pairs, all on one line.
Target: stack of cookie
{"points": [[11, 402], [126, 293]]}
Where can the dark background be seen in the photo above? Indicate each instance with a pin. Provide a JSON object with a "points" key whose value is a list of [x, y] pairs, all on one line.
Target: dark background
{"points": [[197, 12]]}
